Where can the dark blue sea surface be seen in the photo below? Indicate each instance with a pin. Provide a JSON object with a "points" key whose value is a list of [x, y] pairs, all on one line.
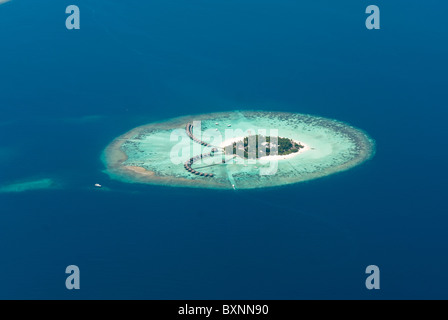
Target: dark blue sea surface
{"points": [[65, 94]]}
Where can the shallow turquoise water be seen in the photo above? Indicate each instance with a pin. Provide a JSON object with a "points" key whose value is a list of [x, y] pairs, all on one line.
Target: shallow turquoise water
{"points": [[163, 148]]}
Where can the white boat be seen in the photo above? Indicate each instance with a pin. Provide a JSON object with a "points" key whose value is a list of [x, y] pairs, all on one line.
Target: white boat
{"points": [[97, 185]]}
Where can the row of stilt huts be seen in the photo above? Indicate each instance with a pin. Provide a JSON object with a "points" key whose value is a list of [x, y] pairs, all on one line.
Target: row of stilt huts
{"points": [[192, 160], [189, 130]]}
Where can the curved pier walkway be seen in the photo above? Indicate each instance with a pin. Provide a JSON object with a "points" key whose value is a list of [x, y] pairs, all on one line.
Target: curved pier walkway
{"points": [[189, 130], [192, 160]]}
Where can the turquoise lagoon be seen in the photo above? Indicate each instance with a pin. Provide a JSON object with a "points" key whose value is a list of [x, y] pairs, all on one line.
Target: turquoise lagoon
{"points": [[155, 153]]}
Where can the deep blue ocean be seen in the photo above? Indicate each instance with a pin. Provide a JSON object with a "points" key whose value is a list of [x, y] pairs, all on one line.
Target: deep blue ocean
{"points": [[65, 94]]}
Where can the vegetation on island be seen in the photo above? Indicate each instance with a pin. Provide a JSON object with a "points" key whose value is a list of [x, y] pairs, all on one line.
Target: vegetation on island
{"points": [[283, 146]]}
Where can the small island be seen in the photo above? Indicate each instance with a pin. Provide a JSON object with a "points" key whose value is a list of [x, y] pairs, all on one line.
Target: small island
{"points": [[282, 147], [145, 154]]}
